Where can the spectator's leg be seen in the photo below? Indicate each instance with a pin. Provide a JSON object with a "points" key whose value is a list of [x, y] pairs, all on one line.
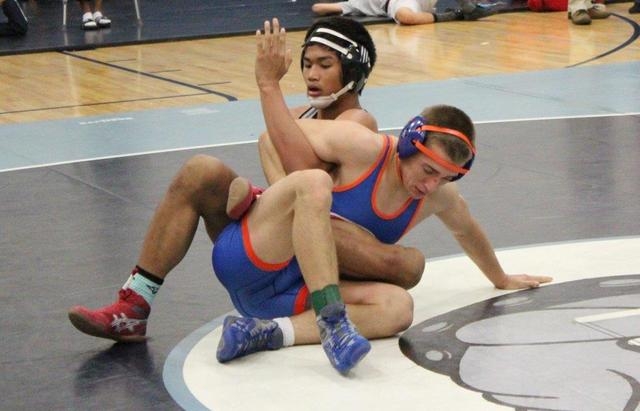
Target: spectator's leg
{"points": [[101, 20], [17, 21]]}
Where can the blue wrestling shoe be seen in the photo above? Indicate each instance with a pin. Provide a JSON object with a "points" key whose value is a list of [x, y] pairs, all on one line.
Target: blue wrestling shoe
{"points": [[340, 340], [243, 336]]}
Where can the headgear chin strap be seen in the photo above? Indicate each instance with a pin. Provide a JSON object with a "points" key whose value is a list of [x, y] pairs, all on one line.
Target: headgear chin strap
{"points": [[413, 139], [325, 101]]}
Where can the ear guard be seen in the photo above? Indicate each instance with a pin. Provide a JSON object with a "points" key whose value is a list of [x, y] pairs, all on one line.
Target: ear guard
{"points": [[413, 139]]}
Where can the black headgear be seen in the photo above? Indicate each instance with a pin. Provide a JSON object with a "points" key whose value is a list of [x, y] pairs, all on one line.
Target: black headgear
{"points": [[354, 57]]}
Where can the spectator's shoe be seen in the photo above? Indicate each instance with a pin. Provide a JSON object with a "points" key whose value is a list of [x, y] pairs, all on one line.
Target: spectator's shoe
{"points": [[598, 11], [481, 10], [123, 321], [242, 194], [635, 8], [88, 23], [102, 21], [243, 336], [340, 340], [580, 17]]}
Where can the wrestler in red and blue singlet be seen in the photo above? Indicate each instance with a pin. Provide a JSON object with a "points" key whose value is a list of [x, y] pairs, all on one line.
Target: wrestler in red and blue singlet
{"points": [[264, 290]]}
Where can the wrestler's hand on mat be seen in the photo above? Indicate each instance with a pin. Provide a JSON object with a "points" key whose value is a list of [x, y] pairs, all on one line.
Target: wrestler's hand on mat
{"points": [[518, 281]]}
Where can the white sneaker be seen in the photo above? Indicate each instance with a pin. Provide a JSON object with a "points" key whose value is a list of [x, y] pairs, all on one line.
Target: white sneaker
{"points": [[88, 23], [101, 21]]}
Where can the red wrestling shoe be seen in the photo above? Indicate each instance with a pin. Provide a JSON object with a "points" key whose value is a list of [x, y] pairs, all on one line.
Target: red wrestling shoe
{"points": [[123, 321], [242, 194]]}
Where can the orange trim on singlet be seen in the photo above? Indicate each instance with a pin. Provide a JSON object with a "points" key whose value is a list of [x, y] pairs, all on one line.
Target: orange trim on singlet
{"points": [[377, 184], [413, 217], [300, 304], [418, 208], [257, 261], [368, 172]]}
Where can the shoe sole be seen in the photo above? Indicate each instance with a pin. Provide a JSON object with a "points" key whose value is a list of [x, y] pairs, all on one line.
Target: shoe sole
{"points": [[89, 327], [595, 16], [221, 355], [240, 198], [356, 356], [478, 17], [580, 22]]}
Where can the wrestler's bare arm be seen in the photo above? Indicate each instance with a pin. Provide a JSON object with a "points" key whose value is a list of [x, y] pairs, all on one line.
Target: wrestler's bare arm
{"points": [[454, 213]]}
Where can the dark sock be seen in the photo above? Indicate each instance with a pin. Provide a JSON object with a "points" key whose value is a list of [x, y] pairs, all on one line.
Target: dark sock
{"points": [[327, 296]]}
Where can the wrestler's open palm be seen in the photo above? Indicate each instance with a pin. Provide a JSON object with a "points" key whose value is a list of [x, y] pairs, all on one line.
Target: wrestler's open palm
{"points": [[518, 281], [272, 57]]}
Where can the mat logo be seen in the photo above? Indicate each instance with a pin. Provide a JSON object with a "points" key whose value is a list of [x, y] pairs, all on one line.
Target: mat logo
{"points": [[574, 345]]}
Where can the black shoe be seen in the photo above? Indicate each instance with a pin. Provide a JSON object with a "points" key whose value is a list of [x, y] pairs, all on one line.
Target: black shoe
{"points": [[635, 8], [482, 10]]}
